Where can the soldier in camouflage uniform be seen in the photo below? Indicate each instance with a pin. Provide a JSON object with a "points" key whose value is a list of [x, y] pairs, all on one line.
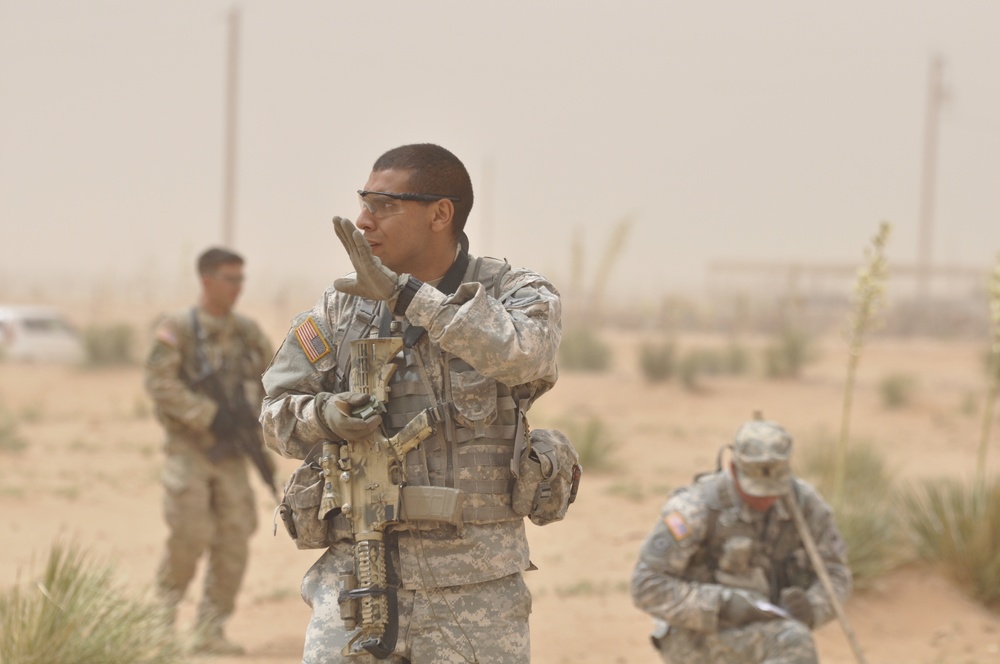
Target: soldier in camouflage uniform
{"points": [[479, 354], [208, 502], [724, 572]]}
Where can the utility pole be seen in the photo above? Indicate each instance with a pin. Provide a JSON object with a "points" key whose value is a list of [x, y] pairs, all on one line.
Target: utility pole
{"points": [[935, 99], [229, 148]]}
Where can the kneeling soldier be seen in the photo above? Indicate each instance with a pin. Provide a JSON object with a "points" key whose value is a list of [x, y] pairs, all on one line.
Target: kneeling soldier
{"points": [[724, 572]]}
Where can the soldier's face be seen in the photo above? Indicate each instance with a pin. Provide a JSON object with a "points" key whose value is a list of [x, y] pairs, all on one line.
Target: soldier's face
{"points": [[222, 286], [400, 241], [756, 503]]}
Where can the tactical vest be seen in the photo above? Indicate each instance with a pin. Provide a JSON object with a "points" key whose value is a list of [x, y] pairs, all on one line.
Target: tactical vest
{"points": [[237, 359], [777, 548], [476, 417]]}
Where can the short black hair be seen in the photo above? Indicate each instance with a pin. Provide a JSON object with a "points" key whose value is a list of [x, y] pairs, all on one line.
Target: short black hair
{"points": [[214, 257], [433, 170]]}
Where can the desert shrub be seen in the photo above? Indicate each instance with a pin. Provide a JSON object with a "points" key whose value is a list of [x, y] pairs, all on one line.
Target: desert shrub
{"points": [[110, 345], [76, 613], [957, 525], [33, 413], [592, 442], [10, 438], [897, 390], [582, 350], [787, 354], [991, 366], [658, 361], [691, 368], [736, 359], [698, 362], [866, 512]]}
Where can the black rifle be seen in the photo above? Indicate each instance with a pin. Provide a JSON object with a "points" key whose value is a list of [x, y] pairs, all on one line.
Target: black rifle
{"points": [[247, 437]]}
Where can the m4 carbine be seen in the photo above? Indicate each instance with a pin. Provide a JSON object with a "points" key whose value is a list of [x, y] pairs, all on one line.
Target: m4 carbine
{"points": [[247, 437], [363, 479]]}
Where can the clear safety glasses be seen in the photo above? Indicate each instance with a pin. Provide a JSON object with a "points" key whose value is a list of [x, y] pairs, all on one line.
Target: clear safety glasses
{"points": [[382, 204]]}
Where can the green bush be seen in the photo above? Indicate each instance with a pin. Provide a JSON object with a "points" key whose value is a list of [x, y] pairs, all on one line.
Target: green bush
{"points": [[593, 443], [582, 350], [110, 345], [76, 614], [867, 514], [897, 390], [658, 361], [957, 525], [10, 438], [991, 364], [736, 359], [788, 354], [690, 369]]}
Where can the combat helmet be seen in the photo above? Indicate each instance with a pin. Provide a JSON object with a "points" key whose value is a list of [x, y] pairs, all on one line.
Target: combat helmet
{"points": [[761, 451]]}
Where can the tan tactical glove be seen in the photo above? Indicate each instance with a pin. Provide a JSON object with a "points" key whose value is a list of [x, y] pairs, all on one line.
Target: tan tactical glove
{"points": [[337, 414], [738, 609], [796, 602], [372, 280]]}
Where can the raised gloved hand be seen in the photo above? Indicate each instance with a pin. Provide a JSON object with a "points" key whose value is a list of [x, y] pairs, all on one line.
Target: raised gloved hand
{"points": [[372, 280], [796, 602], [337, 413], [738, 609]]}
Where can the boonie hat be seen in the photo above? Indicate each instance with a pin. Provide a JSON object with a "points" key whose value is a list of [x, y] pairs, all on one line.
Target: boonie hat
{"points": [[761, 451]]}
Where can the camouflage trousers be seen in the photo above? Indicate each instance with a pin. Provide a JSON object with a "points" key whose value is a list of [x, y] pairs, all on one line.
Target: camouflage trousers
{"points": [[769, 642], [483, 622], [209, 507]]}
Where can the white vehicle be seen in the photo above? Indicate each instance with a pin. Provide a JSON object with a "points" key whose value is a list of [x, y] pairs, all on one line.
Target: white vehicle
{"points": [[38, 334]]}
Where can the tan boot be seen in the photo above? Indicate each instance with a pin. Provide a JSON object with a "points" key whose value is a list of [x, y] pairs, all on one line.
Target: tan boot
{"points": [[214, 642]]}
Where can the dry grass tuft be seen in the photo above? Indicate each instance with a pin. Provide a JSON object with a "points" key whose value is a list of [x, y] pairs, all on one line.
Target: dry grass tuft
{"points": [[866, 513], [958, 525], [76, 614]]}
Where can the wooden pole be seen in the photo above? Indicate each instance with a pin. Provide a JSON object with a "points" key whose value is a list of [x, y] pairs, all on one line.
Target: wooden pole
{"points": [[824, 578], [229, 150]]}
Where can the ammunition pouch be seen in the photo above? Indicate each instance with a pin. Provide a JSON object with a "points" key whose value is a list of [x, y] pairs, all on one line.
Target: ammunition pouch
{"points": [[431, 505], [423, 507], [548, 477], [299, 510]]}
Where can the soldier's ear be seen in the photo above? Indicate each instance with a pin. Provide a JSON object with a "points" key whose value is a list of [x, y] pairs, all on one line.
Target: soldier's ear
{"points": [[443, 216]]}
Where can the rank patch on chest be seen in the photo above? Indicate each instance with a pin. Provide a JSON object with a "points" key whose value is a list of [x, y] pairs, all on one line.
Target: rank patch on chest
{"points": [[677, 526], [312, 342]]}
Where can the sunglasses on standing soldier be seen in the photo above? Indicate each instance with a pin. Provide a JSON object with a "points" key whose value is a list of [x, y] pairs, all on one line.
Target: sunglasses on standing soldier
{"points": [[382, 204]]}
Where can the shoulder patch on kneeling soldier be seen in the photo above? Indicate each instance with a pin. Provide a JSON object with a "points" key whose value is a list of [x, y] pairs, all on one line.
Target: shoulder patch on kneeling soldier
{"points": [[311, 339], [677, 526]]}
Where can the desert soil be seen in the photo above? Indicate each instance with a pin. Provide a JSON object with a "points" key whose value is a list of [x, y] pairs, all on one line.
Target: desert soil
{"points": [[91, 466]]}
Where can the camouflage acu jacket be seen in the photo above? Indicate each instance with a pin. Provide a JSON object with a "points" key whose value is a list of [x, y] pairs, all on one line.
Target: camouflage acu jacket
{"points": [[504, 327], [707, 539], [234, 345]]}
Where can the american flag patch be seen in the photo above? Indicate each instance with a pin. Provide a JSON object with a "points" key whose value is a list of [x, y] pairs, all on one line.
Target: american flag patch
{"points": [[166, 335], [677, 525], [312, 342]]}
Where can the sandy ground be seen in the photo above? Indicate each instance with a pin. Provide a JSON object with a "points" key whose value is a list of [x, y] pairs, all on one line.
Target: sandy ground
{"points": [[90, 472]]}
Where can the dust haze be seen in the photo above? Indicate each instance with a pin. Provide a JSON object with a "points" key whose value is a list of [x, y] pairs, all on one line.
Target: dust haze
{"points": [[771, 131]]}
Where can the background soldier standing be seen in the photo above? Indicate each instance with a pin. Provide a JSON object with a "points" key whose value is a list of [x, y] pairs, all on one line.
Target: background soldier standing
{"points": [[480, 346], [208, 502], [724, 571]]}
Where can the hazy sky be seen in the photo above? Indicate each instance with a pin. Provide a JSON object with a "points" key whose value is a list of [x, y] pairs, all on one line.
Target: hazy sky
{"points": [[730, 130]]}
